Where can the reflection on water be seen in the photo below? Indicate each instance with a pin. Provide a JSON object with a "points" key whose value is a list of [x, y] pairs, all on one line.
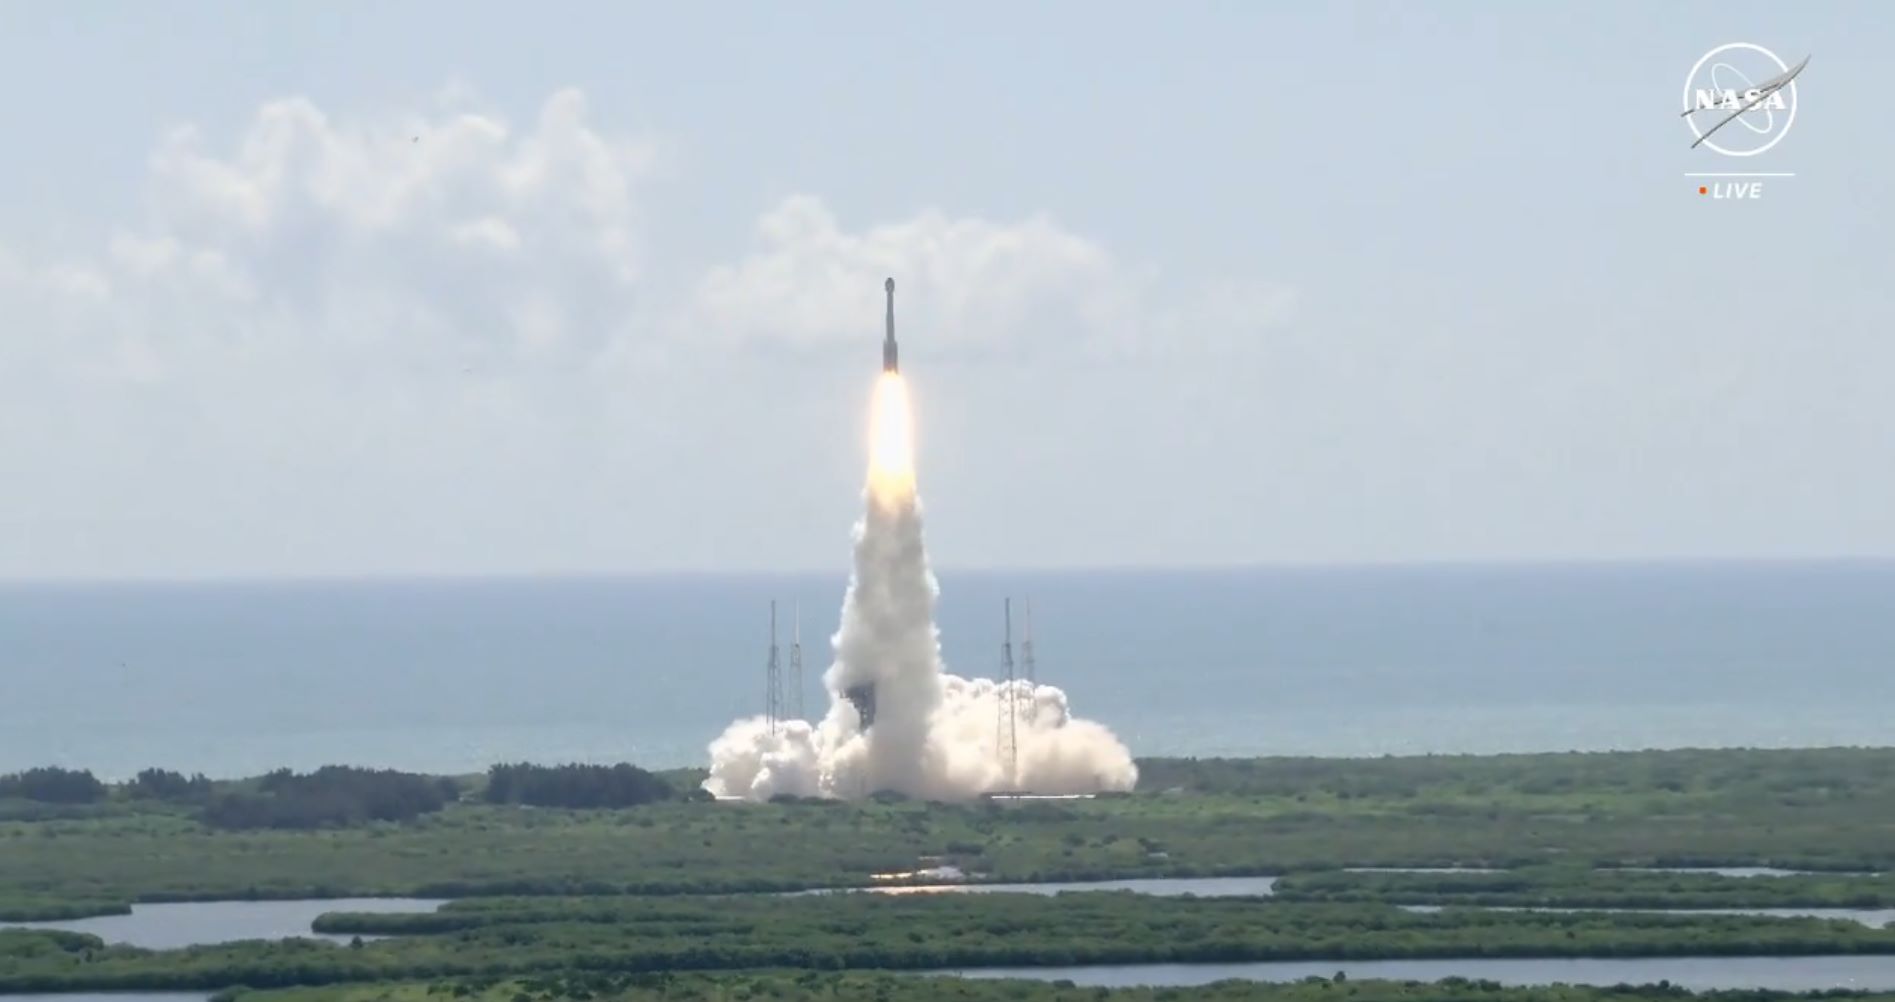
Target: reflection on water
{"points": [[1204, 887], [1740, 871], [1421, 869], [1778, 973], [195, 923]]}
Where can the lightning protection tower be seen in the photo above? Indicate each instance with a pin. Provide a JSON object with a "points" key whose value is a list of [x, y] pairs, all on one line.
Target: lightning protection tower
{"points": [[796, 665], [773, 679], [1008, 730]]}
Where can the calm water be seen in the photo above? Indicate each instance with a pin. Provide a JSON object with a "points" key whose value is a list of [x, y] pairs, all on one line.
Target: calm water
{"points": [[1421, 869], [1742, 871], [451, 676], [1779, 973], [1204, 887], [170, 926], [113, 997]]}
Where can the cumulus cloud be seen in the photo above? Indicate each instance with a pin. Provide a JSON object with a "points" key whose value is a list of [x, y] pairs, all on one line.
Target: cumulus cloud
{"points": [[417, 172], [65, 279], [440, 233], [977, 281], [984, 287], [410, 306], [490, 232], [448, 236]]}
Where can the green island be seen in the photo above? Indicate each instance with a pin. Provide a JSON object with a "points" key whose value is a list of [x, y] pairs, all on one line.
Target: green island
{"points": [[617, 882], [912, 933], [1585, 887], [690, 987]]}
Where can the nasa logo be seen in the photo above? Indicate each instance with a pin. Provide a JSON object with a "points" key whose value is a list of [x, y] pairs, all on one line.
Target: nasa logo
{"points": [[1743, 86]]}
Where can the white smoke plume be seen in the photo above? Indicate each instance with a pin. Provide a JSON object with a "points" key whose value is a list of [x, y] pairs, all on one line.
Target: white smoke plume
{"points": [[934, 735]]}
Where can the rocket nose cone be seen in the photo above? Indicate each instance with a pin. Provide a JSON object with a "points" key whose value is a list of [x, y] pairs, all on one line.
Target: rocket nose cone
{"points": [[889, 285]]}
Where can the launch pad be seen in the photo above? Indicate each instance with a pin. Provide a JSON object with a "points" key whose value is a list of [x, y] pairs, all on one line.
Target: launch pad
{"points": [[946, 737], [862, 697]]}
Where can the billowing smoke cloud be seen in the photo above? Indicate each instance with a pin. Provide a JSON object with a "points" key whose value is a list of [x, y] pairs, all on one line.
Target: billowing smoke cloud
{"points": [[932, 734]]}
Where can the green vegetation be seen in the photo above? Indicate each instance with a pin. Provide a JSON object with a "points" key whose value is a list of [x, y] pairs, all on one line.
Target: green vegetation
{"points": [[29, 945], [1823, 809], [1597, 781], [164, 784], [1103, 920], [580, 786], [53, 785], [911, 932], [561, 871], [810, 986], [332, 796], [25, 909], [1570, 887]]}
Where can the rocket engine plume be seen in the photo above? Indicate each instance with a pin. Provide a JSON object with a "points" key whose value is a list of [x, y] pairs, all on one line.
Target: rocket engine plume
{"points": [[891, 442], [897, 720]]}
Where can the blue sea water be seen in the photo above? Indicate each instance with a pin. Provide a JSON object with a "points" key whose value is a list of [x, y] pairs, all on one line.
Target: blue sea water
{"points": [[236, 678]]}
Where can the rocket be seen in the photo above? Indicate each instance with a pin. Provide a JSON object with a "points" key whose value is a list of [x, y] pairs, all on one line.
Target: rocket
{"points": [[889, 363]]}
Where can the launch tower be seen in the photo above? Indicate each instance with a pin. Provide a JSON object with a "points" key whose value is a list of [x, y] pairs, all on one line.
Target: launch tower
{"points": [[773, 679], [796, 665], [1009, 724]]}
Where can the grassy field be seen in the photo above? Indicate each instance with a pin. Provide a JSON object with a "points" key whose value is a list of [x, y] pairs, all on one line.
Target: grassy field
{"points": [[1822, 809]]}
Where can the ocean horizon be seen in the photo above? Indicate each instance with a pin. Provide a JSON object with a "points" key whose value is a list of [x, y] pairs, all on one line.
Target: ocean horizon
{"points": [[443, 674]]}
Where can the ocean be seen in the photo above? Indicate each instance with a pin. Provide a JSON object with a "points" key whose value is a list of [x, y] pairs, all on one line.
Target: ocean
{"points": [[452, 675]]}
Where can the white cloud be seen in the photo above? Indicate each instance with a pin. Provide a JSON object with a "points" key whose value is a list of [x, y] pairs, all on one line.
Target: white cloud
{"points": [[401, 173], [338, 343], [58, 280], [164, 259], [393, 239], [448, 238], [489, 232], [983, 287]]}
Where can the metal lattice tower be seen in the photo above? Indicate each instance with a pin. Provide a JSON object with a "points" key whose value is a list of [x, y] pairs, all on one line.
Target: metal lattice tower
{"points": [[1008, 724], [1026, 646], [796, 665], [773, 682]]}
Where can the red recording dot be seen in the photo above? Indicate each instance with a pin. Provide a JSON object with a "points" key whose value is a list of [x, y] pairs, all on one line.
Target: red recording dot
{"points": [[1703, 190]]}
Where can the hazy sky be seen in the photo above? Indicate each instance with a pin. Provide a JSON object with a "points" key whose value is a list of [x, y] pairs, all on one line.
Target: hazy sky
{"points": [[295, 289]]}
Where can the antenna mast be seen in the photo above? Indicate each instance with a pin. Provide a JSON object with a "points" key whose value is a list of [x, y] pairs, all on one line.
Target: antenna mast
{"points": [[773, 681], [1009, 712]]}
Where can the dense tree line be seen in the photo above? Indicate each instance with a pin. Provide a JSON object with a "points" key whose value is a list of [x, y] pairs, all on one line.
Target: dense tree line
{"points": [[164, 784], [1786, 776], [1103, 927], [621, 785], [811, 986], [332, 796], [1618, 810], [1583, 887], [36, 908], [53, 785]]}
